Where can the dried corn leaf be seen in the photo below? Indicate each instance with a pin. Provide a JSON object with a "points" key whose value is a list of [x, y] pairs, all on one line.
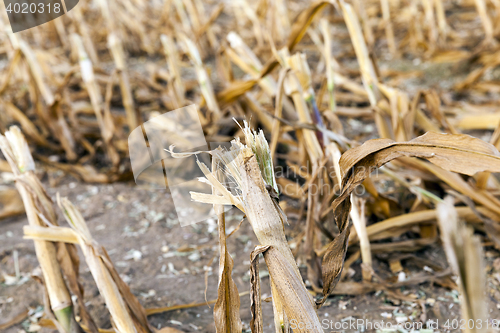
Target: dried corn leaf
{"points": [[465, 256], [299, 29], [5, 324], [227, 308], [409, 219], [256, 324], [454, 152], [458, 184]]}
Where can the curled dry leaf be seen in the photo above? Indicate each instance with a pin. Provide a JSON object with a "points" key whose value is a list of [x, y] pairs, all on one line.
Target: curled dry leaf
{"points": [[4, 324], [256, 324], [453, 152], [227, 307]]}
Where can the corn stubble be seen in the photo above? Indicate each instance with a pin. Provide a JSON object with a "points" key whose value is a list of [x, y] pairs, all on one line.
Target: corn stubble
{"points": [[305, 121], [57, 255], [40, 212], [250, 167], [466, 258]]}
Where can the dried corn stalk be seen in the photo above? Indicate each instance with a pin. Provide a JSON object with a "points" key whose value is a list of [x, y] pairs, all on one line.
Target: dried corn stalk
{"points": [[104, 118], [368, 73], [83, 29], [250, 167], [389, 31], [298, 85], [51, 115], [359, 222], [365, 21], [127, 313], [441, 18], [170, 50], [203, 78], [115, 44], [289, 288], [330, 82], [485, 20], [431, 23], [227, 308], [453, 152], [466, 258], [39, 209]]}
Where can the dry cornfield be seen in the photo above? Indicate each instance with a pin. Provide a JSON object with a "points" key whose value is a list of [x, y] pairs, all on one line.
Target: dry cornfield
{"points": [[313, 115]]}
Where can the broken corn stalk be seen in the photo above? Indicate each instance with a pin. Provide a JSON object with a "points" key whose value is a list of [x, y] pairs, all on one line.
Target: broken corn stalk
{"points": [[203, 78], [39, 208], [105, 283], [250, 167], [170, 50], [115, 44], [104, 118], [465, 256], [359, 221], [298, 85]]}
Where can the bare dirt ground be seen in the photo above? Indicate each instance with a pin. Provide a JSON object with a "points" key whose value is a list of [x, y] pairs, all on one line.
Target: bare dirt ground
{"points": [[165, 265]]}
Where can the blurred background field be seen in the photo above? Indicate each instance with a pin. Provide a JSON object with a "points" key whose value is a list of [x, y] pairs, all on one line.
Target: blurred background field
{"points": [[319, 79]]}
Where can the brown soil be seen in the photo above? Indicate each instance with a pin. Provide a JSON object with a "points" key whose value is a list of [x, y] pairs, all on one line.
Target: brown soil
{"points": [[165, 265]]}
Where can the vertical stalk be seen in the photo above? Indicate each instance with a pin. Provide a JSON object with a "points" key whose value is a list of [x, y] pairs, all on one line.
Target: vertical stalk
{"points": [[441, 18], [482, 177], [115, 44], [431, 23], [293, 85], [330, 83], [76, 15], [358, 219], [485, 20], [16, 151], [365, 21], [104, 118], [170, 50], [389, 32], [203, 78]]}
